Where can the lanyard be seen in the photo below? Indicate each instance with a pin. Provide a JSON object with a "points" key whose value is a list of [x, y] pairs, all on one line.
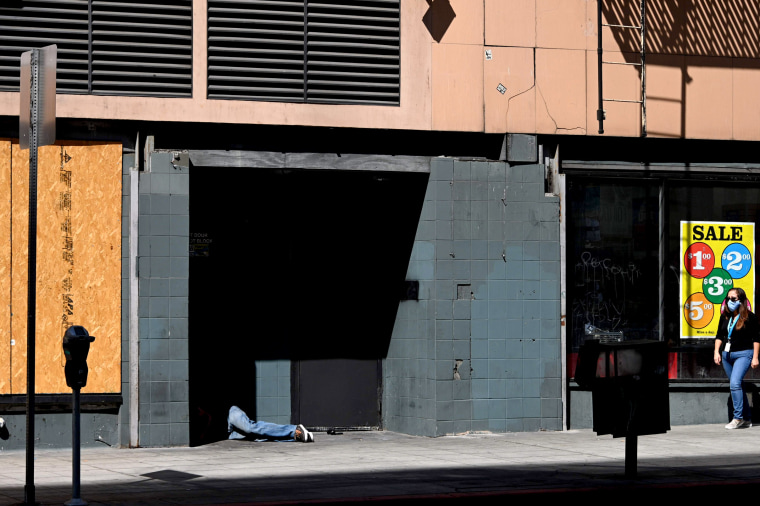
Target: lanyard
{"points": [[731, 324]]}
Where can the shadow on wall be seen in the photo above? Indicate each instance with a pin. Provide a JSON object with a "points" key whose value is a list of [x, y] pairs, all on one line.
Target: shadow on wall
{"points": [[438, 18], [719, 29], [722, 28]]}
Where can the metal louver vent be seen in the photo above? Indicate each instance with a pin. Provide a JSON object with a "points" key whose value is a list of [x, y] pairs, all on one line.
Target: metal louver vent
{"points": [[318, 51], [142, 47], [34, 24], [105, 47]]}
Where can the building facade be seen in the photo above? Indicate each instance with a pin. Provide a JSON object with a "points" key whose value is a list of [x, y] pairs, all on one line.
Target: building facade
{"points": [[393, 214]]}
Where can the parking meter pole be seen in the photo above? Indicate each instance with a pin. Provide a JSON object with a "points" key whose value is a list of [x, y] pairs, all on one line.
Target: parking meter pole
{"points": [[76, 346], [76, 495], [631, 455]]}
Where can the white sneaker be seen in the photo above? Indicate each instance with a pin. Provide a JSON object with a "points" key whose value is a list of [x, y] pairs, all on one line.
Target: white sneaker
{"points": [[738, 424], [302, 435]]}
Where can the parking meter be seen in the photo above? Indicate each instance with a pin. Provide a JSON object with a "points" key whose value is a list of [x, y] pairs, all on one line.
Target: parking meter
{"points": [[76, 346]]}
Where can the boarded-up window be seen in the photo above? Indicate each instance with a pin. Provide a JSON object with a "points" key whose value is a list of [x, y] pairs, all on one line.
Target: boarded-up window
{"points": [[78, 263]]}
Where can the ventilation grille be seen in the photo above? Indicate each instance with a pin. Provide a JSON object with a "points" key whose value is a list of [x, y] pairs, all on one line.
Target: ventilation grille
{"points": [[119, 48], [34, 24], [321, 51]]}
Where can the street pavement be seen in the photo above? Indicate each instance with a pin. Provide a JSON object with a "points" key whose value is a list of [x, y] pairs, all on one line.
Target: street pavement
{"points": [[688, 462]]}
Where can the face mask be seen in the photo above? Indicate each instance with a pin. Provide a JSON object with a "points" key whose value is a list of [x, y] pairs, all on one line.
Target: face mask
{"points": [[733, 305]]}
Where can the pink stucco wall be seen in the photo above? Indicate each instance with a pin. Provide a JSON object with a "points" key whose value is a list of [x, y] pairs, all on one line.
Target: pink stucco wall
{"points": [[702, 74]]}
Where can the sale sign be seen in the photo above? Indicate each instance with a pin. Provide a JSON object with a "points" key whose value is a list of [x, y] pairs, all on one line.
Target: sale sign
{"points": [[716, 257]]}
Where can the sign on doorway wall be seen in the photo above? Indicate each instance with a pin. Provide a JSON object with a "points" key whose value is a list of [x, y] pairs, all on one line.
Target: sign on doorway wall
{"points": [[715, 257]]}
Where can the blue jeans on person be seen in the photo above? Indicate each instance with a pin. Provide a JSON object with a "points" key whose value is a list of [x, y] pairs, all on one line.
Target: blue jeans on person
{"points": [[241, 427], [736, 364]]}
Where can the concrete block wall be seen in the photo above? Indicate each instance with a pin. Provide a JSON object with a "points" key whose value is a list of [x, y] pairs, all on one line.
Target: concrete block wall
{"points": [[480, 349], [163, 267], [273, 391]]}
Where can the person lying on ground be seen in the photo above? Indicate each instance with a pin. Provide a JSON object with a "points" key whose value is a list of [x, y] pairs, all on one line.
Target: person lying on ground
{"points": [[239, 426]]}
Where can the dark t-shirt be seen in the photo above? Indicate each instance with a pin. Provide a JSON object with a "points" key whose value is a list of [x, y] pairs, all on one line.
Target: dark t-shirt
{"points": [[741, 338]]}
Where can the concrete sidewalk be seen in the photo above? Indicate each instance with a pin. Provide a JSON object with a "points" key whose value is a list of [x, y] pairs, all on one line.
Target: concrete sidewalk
{"points": [[383, 466]]}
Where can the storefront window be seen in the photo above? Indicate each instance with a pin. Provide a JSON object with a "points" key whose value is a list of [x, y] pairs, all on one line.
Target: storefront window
{"points": [[702, 205], [612, 261], [617, 266]]}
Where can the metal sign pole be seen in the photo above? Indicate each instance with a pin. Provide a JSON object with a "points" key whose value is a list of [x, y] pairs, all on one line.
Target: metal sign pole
{"points": [[29, 491], [36, 126]]}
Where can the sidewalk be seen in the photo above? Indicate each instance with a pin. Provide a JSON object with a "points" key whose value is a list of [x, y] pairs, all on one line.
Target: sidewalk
{"points": [[384, 467]]}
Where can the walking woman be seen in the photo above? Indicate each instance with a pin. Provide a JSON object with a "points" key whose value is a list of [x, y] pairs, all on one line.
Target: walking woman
{"points": [[737, 345]]}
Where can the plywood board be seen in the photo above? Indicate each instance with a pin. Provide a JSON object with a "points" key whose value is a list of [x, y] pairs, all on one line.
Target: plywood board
{"points": [[19, 251], [5, 267], [78, 262], [96, 231]]}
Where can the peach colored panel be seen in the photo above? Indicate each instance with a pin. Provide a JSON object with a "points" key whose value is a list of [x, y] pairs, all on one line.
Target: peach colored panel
{"points": [[746, 106], [458, 87], [561, 91], [666, 88], [621, 82], [200, 51], [562, 24], [510, 23], [467, 25], [515, 109], [709, 98]]}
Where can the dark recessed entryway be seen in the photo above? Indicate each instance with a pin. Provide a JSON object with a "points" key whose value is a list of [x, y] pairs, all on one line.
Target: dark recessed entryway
{"points": [[300, 265]]}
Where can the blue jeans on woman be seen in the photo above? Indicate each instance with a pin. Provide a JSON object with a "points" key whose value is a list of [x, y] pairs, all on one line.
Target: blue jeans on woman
{"points": [[736, 364], [240, 427]]}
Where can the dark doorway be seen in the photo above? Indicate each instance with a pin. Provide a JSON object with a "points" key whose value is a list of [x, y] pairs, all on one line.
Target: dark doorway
{"points": [[302, 265]]}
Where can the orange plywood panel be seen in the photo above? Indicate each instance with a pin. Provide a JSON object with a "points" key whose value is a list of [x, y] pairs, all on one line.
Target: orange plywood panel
{"points": [[709, 98], [621, 82], [562, 24], [510, 23], [666, 90], [78, 262], [46, 366], [19, 264], [458, 87], [51, 268], [5, 267], [94, 299], [509, 90], [561, 91], [746, 106]]}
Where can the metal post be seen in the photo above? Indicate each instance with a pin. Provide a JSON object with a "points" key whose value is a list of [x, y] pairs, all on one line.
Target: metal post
{"points": [[29, 492], [599, 52], [631, 455], [134, 320], [76, 495], [643, 68]]}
